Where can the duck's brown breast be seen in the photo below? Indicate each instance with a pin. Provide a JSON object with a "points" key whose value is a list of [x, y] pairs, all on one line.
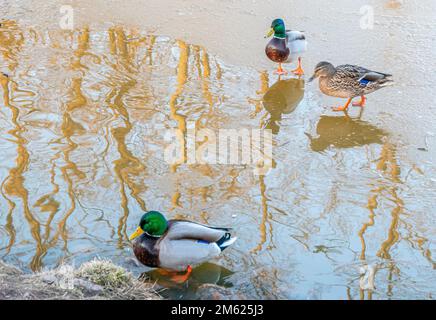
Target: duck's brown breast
{"points": [[276, 50], [145, 250]]}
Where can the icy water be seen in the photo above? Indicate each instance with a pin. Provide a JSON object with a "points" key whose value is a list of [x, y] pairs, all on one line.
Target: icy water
{"points": [[84, 114]]}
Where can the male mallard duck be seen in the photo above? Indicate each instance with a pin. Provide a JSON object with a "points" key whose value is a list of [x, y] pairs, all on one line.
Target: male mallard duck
{"points": [[177, 245], [285, 45], [348, 81]]}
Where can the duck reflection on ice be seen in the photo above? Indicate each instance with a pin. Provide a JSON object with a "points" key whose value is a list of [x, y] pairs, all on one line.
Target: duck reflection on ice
{"points": [[344, 132], [281, 98], [207, 273]]}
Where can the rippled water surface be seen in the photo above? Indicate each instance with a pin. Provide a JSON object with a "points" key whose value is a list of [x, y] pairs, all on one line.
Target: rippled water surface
{"points": [[84, 114]]}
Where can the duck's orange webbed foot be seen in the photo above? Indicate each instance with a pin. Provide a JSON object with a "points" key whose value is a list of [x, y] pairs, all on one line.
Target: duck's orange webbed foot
{"points": [[361, 103], [344, 107], [280, 71], [182, 278], [299, 71], [340, 108]]}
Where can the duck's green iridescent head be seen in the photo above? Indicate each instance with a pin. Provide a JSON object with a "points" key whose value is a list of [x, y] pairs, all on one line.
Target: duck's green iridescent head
{"points": [[153, 223], [277, 28]]}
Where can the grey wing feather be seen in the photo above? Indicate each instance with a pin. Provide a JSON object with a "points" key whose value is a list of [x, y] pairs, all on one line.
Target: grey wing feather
{"points": [[178, 254], [180, 229], [293, 35], [374, 76], [296, 41], [349, 73], [359, 73], [352, 70]]}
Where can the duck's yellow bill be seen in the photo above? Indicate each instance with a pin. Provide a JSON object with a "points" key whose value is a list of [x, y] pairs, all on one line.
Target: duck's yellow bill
{"points": [[270, 33], [135, 234]]}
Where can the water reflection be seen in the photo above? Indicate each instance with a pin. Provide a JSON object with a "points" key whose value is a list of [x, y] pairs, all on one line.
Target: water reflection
{"points": [[344, 132], [393, 4], [13, 186], [387, 192], [282, 97], [389, 167], [207, 273], [127, 167]]}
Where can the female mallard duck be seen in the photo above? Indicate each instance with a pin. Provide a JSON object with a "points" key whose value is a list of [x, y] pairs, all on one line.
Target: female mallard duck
{"points": [[285, 46], [348, 81], [177, 245]]}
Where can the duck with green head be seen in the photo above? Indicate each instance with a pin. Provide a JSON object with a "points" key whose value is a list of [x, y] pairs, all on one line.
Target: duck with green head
{"points": [[177, 245], [285, 46]]}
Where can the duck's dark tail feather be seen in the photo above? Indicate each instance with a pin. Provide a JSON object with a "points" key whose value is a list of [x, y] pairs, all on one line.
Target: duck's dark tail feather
{"points": [[226, 241]]}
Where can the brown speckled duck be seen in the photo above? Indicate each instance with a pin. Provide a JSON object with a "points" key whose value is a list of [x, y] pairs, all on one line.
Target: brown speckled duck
{"points": [[349, 81]]}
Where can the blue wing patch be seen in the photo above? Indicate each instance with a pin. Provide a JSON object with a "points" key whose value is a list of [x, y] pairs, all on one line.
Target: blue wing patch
{"points": [[203, 241], [364, 82]]}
